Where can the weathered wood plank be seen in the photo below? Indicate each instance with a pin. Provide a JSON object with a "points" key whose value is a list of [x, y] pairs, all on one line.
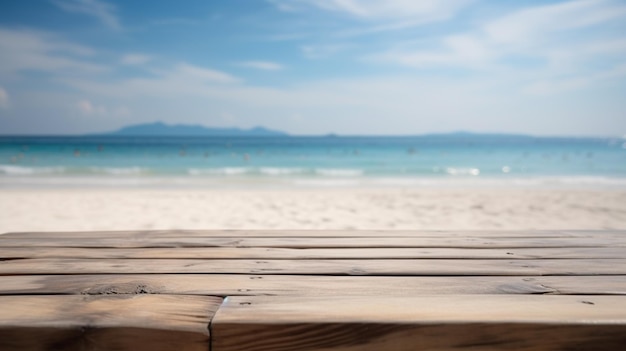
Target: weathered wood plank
{"points": [[322, 233], [457, 322], [231, 285], [316, 242], [408, 267], [281, 253], [121, 322], [426, 308]]}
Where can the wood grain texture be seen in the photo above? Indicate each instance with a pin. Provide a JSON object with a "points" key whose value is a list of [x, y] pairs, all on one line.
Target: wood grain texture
{"points": [[302, 285], [580, 309], [314, 290], [281, 253], [458, 322], [408, 267], [121, 322], [371, 336], [315, 242]]}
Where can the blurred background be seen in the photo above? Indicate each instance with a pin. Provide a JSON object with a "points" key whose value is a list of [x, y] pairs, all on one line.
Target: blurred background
{"points": [[312, 114]]}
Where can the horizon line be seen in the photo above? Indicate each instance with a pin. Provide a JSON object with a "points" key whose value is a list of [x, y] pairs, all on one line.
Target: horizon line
{"points": [[325, 135]]}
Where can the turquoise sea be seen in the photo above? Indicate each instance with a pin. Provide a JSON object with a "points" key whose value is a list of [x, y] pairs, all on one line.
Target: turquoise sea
{"points": [[464, 159]]}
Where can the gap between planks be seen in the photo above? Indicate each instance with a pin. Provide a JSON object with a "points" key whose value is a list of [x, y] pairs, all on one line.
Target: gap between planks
{"points": [[315, 242], [225, 285], [392, 267], [322, 233], [286, 253]]}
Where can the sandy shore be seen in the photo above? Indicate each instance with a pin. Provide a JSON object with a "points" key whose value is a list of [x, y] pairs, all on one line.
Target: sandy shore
{"points": [[442, 208]]}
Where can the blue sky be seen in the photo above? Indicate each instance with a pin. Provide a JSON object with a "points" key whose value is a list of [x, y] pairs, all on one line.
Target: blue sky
{"points": [[315, 66]]}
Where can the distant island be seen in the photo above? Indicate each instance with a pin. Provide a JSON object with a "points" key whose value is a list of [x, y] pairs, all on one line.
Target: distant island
{"points": [[162, 129]]}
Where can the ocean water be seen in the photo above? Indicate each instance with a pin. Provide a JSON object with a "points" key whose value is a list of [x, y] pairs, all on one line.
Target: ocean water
{"points": [[457, 159]]}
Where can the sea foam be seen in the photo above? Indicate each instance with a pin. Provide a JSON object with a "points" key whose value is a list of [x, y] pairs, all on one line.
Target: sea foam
{"points": [[218, 171], [339, 172], [21, 170]]}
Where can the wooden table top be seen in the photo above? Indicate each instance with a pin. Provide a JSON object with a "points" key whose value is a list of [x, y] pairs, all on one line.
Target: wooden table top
{"points": [[313, 290]]}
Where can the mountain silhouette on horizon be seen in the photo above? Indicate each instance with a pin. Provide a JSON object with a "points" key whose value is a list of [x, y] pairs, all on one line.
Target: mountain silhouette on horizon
{"points": [[163, 129]]}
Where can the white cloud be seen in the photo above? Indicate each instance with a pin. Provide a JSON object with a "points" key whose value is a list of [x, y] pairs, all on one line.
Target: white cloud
{"points": [[187, 72], [33, 40], [363, 17], [540, 32], [262, 65], [564, 84], [418, 102], [379, 9], [101, 10], [4, 98], [533, 24], [33, 50], [179, 80], [287, 6], [545, 37], [86, 107], [462, 50], [135, 59], [554, 86]]}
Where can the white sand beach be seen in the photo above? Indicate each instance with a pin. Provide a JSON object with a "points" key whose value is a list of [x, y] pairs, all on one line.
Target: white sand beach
{"points": [[390, 208]]}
